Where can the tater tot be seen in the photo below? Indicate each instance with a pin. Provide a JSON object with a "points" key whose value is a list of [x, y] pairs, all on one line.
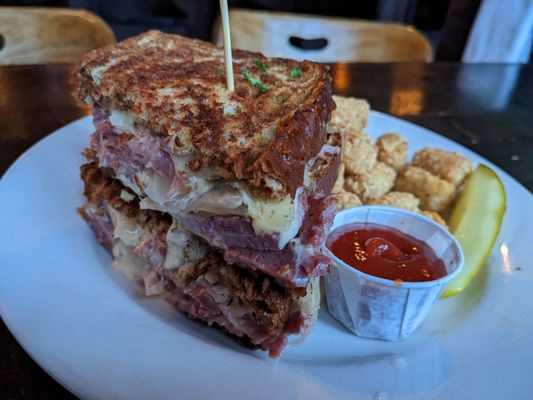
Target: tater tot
{"points": [[372, 184], [348, 133], [435, 217], [398, 199], [435, 194], [392, 150], [347, 199], [339, 183], [447, 165], [350, 113], [351, 183], [360, 155]]}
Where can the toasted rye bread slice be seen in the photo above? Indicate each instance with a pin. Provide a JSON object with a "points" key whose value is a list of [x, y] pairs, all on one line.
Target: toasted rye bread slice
{"points": [[325, 170], [262, 133]]}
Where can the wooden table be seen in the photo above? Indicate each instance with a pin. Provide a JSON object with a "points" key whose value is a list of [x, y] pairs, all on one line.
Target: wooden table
{"points": [[485, 107]]}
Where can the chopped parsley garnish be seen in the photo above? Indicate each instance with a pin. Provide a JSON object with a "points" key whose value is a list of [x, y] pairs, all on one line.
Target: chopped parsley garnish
{"points": [[261, 65], [518, 269], [295, 73], [219, 70], [254, 81]]}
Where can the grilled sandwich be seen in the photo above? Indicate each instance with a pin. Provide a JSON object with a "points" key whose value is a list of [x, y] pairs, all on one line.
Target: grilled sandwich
{"points": [[243, 178], [152, 250]]}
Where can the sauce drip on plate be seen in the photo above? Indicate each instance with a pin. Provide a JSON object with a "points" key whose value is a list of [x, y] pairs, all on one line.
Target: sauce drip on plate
{"points": [[386, 253]]}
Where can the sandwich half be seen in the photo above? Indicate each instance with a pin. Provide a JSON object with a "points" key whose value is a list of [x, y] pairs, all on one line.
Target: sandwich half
{"points": [[154, 251], [227, 189]]}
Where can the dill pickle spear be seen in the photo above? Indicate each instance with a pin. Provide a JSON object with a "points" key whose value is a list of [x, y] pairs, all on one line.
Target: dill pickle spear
{"points": [[475, 222]]}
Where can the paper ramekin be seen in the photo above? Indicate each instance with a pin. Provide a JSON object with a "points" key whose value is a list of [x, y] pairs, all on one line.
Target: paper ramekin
{"points": [[380, 308]]}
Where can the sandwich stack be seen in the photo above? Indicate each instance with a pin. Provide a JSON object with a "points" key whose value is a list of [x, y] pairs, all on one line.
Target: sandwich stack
{"points": [[217, 201]]}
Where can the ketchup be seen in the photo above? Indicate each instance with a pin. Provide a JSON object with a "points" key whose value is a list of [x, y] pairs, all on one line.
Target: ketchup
{"points": [[385, 252]]}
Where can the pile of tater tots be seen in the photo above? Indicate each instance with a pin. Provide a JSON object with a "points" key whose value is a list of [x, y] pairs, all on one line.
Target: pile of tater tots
{"points": [[379, 172]]}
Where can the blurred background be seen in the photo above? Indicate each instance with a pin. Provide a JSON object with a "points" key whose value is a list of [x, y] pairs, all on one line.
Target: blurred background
{"points": [[456, 30]]}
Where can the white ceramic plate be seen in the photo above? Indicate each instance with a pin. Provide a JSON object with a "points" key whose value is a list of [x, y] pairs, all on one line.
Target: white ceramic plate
{"points": [[91, 330]]}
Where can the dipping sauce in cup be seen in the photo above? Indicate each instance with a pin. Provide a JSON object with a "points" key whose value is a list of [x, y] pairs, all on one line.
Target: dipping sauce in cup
{"points": [[384, 301], [386, 253]]}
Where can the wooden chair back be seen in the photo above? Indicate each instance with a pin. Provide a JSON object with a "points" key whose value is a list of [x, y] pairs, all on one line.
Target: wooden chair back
{"points": [[35, 35], [324, 39]]}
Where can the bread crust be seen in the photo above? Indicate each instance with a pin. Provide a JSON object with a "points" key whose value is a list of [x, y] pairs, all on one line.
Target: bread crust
{"points": [[174, 86]]}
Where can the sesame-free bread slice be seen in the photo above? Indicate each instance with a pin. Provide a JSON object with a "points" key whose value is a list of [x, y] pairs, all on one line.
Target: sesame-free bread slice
{"points": [[263, 133]]}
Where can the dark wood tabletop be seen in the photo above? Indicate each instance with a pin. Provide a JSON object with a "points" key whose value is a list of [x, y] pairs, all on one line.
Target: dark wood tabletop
{"points": [[485, 107]]}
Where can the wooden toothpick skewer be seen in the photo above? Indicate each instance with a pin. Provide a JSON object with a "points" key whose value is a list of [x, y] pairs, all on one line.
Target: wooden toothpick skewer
{"points": [[227, 45]]}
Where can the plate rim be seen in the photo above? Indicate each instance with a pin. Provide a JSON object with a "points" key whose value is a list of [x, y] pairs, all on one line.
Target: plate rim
{"points": [[12, 169]]}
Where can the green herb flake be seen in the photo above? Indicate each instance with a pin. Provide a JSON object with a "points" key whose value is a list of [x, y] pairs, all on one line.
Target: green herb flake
{"points": [[219, 70], [518, 269], [254, 81], [295, 73], [261, 65]]}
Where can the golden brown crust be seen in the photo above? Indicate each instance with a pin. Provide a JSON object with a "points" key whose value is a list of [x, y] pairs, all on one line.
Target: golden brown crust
{"points": [[360, 154], [325, 170], [350, 115], [404, 200], [345, 199], [100, 187], [174, 86], [372, 184], [392, 150], [435, 194], [299, 138], [447, 165]]}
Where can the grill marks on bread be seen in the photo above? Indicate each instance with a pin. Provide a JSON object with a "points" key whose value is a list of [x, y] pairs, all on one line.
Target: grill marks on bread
{"points": [[173, 86]]}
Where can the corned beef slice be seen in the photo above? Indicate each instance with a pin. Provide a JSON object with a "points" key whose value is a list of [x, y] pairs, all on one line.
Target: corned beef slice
{"points": [[293, 265], [301, 259], [225, 231]]}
